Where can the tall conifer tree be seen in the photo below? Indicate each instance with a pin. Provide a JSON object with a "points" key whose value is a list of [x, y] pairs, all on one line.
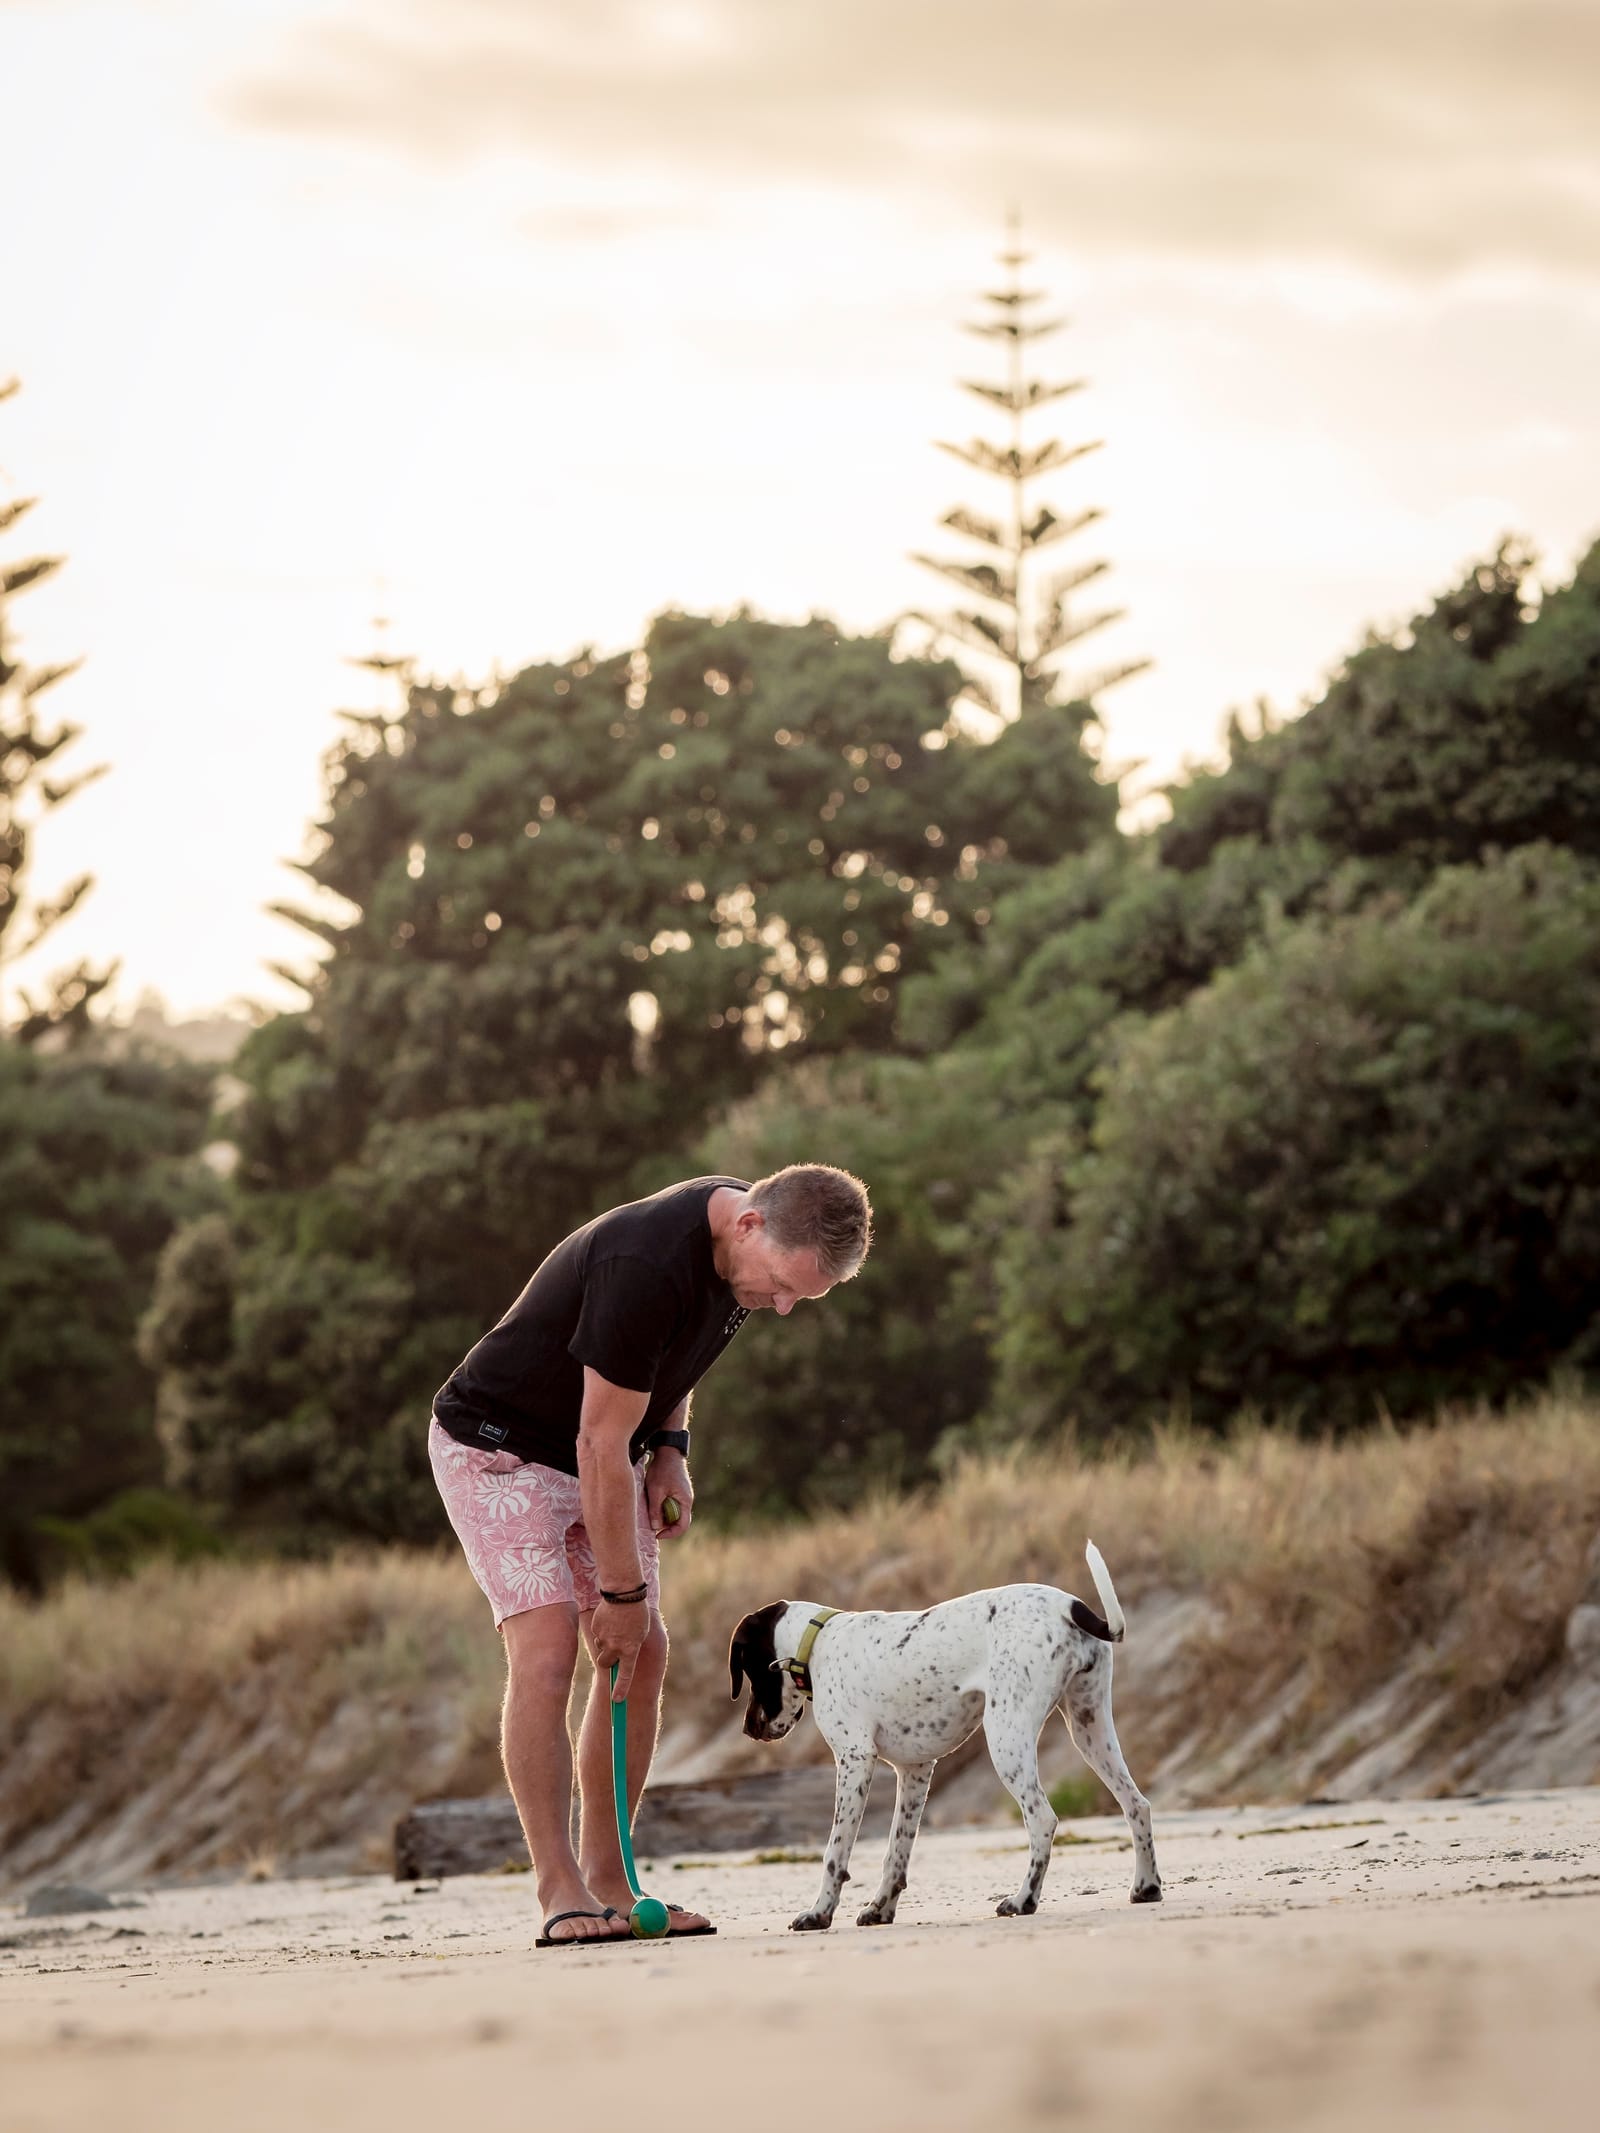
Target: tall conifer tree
{"points": [[1027, 619], [29, 746]]}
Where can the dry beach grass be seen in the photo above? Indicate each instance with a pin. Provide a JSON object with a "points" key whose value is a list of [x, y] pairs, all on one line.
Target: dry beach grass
{"points": [[208, 1717], [1322, 1558]]}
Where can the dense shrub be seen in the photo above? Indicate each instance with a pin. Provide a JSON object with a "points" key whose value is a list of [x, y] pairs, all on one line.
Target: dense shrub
{"points": [[1361, 1167]]}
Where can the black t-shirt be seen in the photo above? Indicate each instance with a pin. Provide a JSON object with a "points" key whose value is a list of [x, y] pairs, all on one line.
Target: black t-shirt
{"points": [[635, 1294]]}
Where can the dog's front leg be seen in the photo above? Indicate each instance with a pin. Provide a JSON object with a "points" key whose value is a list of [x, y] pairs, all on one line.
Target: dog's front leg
{"points": [[852, 1776], [914, 1779]]}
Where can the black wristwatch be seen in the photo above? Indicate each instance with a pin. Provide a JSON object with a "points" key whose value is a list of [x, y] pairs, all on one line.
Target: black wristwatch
{"points": [[674, 1440]]}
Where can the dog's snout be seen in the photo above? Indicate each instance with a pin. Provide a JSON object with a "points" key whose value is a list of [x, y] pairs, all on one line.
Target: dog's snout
{"points": [[758, 1726]]}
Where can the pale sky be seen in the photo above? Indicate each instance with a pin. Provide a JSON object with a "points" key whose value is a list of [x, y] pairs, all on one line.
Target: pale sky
{"points": [[543, 317]]}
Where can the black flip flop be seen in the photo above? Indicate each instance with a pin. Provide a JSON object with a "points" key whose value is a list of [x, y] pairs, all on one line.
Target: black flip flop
{"points": [[690, 1932], [582, 1940]]}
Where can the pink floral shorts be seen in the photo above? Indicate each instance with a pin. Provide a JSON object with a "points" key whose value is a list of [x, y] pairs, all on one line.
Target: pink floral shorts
{"points": [[522, 1527]]}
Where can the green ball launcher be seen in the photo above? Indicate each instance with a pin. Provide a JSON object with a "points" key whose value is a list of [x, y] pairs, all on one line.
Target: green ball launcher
{"points": [[648, 1919]]}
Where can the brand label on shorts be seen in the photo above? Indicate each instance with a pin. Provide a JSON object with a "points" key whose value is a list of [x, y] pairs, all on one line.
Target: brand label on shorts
{"points": [[496, 1432]]}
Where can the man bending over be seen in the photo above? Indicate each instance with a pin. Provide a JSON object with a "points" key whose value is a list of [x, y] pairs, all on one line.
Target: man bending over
{"points": [[556, 1445]]}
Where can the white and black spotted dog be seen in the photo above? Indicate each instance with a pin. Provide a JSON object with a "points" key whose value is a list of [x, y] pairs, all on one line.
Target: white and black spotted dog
{"points": [[905, 1689]]}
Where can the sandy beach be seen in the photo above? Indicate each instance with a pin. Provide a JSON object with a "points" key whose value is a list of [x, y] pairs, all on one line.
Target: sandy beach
{"points": [[1393, 1964]]}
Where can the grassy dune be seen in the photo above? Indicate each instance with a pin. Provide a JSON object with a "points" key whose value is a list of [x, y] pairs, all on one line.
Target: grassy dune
{"points": [[230, 1716], [1455, 1551]]}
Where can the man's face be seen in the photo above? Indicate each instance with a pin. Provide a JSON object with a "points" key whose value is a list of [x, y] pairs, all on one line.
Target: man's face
{"points": [[762, 1277]]}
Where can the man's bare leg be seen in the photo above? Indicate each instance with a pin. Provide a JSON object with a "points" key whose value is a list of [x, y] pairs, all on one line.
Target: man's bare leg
{"points": [[597, 1838], [541, 1652]]}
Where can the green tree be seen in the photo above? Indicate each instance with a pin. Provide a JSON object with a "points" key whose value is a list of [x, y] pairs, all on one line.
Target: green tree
{"points": [[618, 891], [97, 1165], [1362, 1165], [29, 789], [866, 1385], [1474, 729], [584, 914], [1019, 1031]]}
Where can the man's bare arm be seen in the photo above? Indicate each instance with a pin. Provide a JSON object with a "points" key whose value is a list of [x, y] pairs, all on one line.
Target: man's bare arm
{"points": [[611, 1414]]}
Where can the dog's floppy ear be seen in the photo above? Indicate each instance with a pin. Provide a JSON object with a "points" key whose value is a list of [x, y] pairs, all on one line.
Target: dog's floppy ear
{"points": [[736, 1662], [750, 1655]]}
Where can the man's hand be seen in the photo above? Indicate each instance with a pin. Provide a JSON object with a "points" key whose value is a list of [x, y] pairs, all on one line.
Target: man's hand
{"points": [[668, 1475], [616, 1631]]}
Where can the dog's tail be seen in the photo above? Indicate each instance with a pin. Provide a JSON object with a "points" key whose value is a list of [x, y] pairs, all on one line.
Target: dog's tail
{"points": [[1109, 1631]]}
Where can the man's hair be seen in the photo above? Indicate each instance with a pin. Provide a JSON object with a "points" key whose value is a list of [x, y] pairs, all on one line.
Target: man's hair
{"points": [[811, 1207]]}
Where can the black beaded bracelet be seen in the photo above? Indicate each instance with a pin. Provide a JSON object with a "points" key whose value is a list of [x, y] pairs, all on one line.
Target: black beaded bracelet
{"points": [[624, 1599]]}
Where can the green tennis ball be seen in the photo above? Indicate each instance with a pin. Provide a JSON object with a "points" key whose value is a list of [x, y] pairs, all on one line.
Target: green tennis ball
{"points": [[671, 1510], [648, 1918]]}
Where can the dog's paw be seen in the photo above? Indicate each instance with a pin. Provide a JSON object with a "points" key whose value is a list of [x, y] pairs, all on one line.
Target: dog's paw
{"points": [[873, 1915], [1149, 1894], [1009, 1907], [811, 1922]]}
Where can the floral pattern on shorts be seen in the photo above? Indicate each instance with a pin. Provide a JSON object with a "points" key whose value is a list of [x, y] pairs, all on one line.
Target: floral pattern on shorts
{"points": [[522, 1529]]}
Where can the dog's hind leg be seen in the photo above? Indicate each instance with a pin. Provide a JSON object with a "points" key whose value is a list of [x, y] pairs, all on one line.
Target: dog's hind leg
{"points": [[911, 1794], [1086, 1706], [1011, 1727], [852, 1777]]}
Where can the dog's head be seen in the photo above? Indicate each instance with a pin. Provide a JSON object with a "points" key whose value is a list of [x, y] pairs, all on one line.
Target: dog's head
{"points": [[776, 1705]]}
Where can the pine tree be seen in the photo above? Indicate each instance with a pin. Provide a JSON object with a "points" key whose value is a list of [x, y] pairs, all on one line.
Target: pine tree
{"points": [[1025, 622], [27, 747]]}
